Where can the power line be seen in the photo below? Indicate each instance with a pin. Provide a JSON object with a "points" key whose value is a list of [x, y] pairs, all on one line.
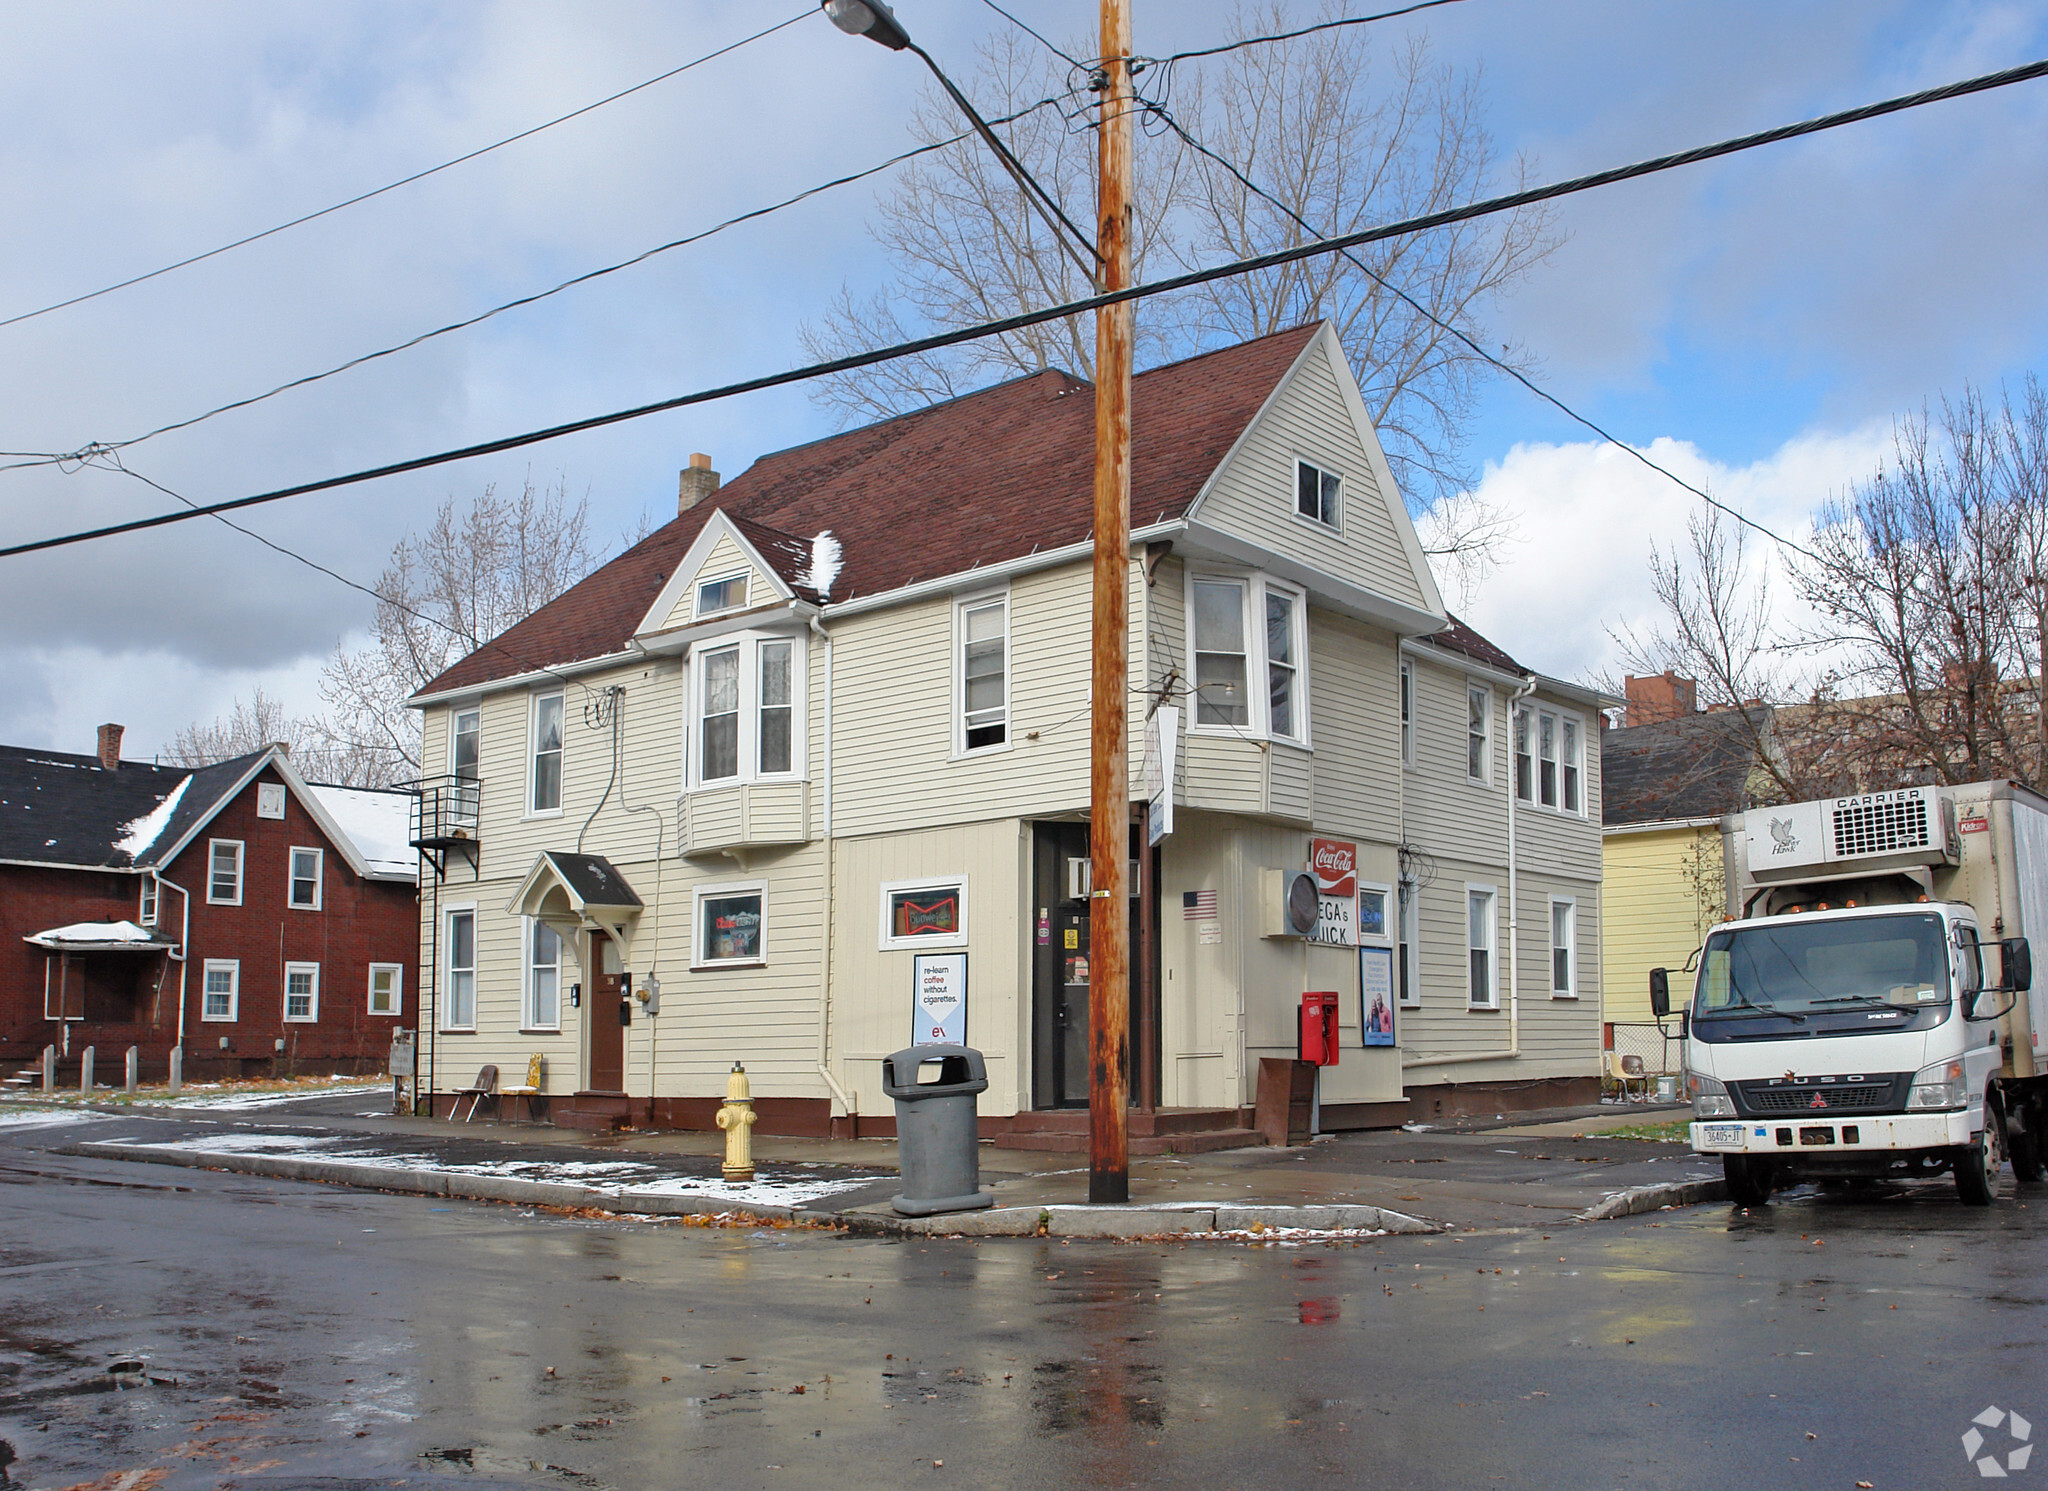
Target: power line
{"points": [[1255, 41], [46, 458], [1513, 372], [404, 180], [940, 340], [1064, 56]]}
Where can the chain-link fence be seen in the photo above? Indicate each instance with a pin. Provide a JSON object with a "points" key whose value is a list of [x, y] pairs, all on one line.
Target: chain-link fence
{"points": [[1662, 1055]]}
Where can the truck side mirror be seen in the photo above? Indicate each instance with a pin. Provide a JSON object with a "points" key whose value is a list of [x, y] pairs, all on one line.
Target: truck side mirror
{"points": [[1660, 992], [2016, 964]]}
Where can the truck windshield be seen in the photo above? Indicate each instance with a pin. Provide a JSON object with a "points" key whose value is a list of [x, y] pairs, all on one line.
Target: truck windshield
{"points": [[1800, 968]]}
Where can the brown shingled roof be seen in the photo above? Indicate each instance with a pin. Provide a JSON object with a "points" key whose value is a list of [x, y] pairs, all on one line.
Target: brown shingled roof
{"points": [[1458, 637], [987, 477]]}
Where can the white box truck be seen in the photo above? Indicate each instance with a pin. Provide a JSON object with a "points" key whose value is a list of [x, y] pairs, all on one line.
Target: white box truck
{"points": [[1867, 1012]]}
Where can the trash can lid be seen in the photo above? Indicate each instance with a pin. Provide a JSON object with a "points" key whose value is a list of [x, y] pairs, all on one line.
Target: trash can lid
{"points": [[961, 1069]]}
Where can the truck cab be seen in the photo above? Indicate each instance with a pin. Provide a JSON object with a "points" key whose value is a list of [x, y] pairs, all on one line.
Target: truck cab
{"points": [[1857, 1020]]}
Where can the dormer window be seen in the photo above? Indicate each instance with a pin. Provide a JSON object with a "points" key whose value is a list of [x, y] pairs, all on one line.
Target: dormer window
{"points": [[1315, 493], [746, 711], [728, 594]]}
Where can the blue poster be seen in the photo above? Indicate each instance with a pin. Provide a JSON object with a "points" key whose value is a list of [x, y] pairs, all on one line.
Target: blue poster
{"points": [[1376, 995]]}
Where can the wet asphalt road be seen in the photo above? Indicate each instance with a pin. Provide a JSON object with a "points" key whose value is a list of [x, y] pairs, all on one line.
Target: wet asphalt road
{"points": [[298, 1335]]}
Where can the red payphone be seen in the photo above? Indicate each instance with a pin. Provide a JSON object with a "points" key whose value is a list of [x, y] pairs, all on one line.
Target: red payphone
{"points": [[1319, 1043]]}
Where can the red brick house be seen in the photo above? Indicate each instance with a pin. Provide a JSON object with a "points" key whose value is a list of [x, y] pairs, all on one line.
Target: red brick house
{"points": [[260, 921]]}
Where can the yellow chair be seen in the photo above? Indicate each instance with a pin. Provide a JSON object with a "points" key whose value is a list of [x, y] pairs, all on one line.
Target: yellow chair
{"points": [[535, 1088], [1627, 1072]]}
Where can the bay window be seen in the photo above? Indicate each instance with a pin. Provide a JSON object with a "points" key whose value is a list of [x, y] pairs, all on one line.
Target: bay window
{"points": [[746, 718], [1249, 679]]}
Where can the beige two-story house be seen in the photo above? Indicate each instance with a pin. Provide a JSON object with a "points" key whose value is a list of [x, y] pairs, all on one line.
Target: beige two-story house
{"points": [[723, 800]]}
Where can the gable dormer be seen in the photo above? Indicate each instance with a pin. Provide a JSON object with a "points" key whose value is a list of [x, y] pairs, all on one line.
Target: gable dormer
{"points": [[723, 575]]}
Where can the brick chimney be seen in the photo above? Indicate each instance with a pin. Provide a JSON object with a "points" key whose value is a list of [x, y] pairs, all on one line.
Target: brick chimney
{"points": [[110, 746], [1651, 701], [698, 482]]}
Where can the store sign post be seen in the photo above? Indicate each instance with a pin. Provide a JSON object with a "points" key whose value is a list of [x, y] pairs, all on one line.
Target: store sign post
{"points": [[939, 999], [1335, 867], [1162, 739]]}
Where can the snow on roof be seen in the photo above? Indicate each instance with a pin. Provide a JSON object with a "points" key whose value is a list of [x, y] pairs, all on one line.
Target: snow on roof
{"points": [[95, 934], [138, 836], [377, 823], [822, 568]]}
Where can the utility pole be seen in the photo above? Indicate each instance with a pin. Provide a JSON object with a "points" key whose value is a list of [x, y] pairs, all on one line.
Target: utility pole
{"points": [[1109, 799]]}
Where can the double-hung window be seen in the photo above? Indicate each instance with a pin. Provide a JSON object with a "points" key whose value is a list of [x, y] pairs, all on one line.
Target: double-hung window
{"points": [[458, 1010], [1564, 948], [1315, 493], [1481, 991], [543, 978], [304, 890], [147, 915], [1525, 760], [387, 988], [546, 775], [1569, 752], [1249, 679], [222, 989], [301, 993], [1549, 769], [1546, 759], [1478, 732], [1407, 950], [464, 750], [746, 712], [224, 872], [983, 628]]}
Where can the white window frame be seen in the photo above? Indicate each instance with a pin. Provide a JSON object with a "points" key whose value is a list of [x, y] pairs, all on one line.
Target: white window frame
{"points": [[703, 583], [1407, 701], [449, 968], [1490, 945], [270, 800], [1252, 590], [1570, 906], [1561, 762], [213, 847], [397, 972], [1475, 689], [1522, 752], [534, 753], [311, 972], [529, 984], [1407, 945], [699, 962], [890, 888], [749, 646], [466, 803], [961, 608], [1571, 764], [1329, 516], [1385, 936], [145, 914], [232, 967], [291, 877]]}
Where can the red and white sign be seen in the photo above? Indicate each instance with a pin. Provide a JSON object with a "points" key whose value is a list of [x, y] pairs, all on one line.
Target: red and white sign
{"points": [[1335, 866], [1976, 825]]}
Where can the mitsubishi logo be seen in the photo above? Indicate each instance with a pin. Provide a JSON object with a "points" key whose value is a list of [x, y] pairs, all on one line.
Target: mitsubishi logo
{"points": [[1819, 1101]]}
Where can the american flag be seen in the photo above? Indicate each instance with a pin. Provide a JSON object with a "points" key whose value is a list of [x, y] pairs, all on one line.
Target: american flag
{"points": [[1198, 905]]}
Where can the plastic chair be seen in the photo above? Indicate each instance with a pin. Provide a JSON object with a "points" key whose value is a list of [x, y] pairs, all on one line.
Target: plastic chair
{"points": [[536, 1081], [485, 1086], [1627, 1072]]}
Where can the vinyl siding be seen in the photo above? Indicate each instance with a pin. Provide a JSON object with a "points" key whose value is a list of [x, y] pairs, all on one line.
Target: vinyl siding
{"points": [[726, 558], [1656, 918]]}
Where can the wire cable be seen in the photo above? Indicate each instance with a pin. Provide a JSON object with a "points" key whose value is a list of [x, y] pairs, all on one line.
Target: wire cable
{"points": [[1513, 372], [46, 458], [403, 180], [2009, 76], [1064, 56], [1255, 41]]}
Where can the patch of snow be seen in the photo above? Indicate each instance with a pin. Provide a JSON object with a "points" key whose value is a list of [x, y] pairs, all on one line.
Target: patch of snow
{"points": [[240, 1100], [96, 934], [763, 1190], [138, 836], [35, 1118], [823, 567], [377, 823]]}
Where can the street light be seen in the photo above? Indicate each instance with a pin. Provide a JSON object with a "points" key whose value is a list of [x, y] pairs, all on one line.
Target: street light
{"points": [[878, 23], [869, 18]]}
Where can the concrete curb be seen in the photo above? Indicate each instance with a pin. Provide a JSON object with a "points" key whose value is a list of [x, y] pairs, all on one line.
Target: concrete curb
{"points": [[1639, 1199], [1006, 1221]]}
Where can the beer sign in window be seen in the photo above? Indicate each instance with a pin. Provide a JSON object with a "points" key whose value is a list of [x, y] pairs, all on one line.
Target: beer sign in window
{"points": [[924, 913]]}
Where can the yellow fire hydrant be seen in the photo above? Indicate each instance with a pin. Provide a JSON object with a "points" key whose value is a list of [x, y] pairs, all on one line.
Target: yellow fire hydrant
{"points": [[736, 1116]]}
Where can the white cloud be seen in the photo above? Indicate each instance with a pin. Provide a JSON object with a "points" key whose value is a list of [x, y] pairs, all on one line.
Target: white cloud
{"points": [[1588, 514]]}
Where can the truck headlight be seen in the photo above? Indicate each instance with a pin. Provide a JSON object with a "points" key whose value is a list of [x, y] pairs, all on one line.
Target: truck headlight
{"points": [[1709, 1097], [1938, 1086]]}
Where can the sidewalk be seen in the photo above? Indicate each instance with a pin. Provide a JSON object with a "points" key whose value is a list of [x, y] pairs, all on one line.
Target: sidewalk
{"points": [[1529, 1170]]}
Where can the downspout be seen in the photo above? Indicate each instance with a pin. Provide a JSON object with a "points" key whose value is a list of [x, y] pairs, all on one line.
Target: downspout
{"points": [[1514, 1049], [184, 934], [847, 1100], [654, 932]]}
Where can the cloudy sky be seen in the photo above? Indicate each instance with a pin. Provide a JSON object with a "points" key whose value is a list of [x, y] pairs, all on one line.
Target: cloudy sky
{"points": [[1756, 323]]}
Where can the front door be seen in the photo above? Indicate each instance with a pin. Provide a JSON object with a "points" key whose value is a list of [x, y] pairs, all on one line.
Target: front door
{"points": [[1061, 967], [602, 1017]]}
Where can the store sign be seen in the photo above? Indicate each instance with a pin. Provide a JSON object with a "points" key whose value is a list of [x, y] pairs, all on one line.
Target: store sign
{"points": [[1162, 738], [1376, 996], [939, 999], [1334, 865]]}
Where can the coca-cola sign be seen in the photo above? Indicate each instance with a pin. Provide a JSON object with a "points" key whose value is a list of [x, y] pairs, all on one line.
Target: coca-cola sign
{"points": [[1335, 866]]}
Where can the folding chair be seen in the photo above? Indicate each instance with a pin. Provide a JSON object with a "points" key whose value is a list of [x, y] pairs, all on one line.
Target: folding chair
{"points": [[485, 1086]]}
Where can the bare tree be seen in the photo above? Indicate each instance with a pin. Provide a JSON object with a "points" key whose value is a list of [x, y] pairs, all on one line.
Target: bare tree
{"points": [[1339, 134], [479, 568]]}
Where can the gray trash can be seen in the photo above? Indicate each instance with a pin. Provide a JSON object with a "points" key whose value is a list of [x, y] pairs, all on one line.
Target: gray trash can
{"points": [[935, 1129]]}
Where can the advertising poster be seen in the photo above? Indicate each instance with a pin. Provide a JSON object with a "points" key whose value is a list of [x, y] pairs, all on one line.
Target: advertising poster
{"points": [[1376, 995], [1335, 867], [939, 999]]}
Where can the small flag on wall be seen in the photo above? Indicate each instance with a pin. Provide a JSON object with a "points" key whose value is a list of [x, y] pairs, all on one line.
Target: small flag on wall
{"points": [[1198, 905]]}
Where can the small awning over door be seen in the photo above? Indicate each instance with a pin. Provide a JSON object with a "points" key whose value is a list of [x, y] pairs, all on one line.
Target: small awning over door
{"points": [[573, 892], [99, 937]]}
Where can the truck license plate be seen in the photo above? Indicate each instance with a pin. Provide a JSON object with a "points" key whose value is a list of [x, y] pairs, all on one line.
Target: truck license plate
{"points": [[1723, 1133]]}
